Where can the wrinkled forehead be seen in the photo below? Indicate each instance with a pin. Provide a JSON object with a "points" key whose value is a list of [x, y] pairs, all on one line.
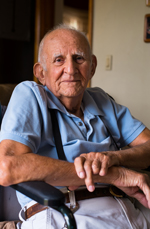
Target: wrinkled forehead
{"points": [[65, 40]]}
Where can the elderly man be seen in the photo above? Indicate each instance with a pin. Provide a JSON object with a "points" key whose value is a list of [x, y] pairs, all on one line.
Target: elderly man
{"points": [[90, 122]]}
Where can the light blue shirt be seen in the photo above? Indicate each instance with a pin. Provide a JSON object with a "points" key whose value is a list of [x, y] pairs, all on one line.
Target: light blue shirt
{"points": [[27, 120]]}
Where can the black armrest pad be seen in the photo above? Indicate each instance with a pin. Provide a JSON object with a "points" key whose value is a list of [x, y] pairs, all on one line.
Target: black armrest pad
{"points": [[41, 192]]}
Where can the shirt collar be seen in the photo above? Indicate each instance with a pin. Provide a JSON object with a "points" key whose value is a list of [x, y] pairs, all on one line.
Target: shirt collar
{"points": [[53, 102], [87, 103], [91, 105]]}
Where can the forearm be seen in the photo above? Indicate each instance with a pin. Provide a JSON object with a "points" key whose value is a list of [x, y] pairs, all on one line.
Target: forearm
{"points": [[135, 157], [19, 164], [29, 167], [67, 176]]}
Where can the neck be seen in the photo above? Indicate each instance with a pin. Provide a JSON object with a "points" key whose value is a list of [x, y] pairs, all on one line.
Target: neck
{"points": [[73, 106]]}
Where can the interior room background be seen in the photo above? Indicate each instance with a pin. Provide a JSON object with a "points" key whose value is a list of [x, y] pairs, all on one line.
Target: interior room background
{"points": [[117, 40]]}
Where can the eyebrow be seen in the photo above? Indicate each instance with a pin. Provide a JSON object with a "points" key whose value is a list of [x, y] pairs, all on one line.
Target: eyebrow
{"points": [[57, 55], [76, 53], [80, 53]]}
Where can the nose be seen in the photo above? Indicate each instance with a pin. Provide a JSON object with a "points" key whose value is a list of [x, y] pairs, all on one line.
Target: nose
{"points": [[70, 67]]}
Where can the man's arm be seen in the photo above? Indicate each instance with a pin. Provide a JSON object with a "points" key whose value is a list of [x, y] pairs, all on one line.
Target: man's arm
{"points": [[136, 156], [18, 164]]}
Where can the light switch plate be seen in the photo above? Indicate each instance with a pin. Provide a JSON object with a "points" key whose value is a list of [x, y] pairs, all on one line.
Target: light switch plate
{"points": [[108, 64]]}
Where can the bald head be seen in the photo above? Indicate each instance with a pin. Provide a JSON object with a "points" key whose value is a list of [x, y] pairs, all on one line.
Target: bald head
{"points": [[65, 64], [59, 32]]}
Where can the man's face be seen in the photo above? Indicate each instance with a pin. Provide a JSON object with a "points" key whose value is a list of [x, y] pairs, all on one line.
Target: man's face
{"points": [[68, 63]]}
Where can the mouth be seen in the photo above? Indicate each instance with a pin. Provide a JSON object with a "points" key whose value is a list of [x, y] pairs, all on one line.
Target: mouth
{"points": [[70, 81]]}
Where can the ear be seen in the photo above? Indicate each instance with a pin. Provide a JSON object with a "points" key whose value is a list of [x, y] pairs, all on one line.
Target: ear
{"points": [[39, 73], [94, 64]]}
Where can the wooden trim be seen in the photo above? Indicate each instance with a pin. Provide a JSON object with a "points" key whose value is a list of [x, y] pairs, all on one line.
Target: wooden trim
{"points": [[147, 2], [90, 27], [90, 22], [44, 21], [37, 33], [146, 25]]}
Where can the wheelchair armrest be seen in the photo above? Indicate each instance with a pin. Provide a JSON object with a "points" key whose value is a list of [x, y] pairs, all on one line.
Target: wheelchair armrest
{"points": [[41, 192], [47, 195]]}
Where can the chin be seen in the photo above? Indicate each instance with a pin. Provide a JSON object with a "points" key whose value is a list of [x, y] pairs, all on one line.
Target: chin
{"points": [[72, 93]]}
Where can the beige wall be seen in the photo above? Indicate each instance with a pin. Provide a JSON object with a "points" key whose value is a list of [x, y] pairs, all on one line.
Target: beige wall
{"points": [[118, 31]]}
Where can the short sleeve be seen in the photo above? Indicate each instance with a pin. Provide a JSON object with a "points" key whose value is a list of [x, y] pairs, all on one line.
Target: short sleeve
{"points": [[129, 126], [121, 124], [22, 121]]}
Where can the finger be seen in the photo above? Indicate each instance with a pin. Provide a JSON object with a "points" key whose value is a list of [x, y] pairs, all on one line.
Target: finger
{"points": [[146, 194], [137, 193], [144, 185], [79, 167], [90, 185], [140, 188], [89, 176], [104, 168], [96, 166], [142, 199]]}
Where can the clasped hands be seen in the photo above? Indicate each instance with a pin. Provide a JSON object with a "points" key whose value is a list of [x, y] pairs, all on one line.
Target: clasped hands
{"points": [[104, 167]]}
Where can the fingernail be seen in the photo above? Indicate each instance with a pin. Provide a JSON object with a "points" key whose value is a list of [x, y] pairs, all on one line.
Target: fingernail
{"points": [[81, 174], [91, 188], [102, 173]]}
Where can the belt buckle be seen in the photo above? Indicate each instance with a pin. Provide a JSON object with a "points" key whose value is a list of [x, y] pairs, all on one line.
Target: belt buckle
{"points": [[113, 190]]}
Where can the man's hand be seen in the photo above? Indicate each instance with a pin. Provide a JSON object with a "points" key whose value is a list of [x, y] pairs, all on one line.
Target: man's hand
{"points": [[134, 184], [136, 156], [94, 163]]}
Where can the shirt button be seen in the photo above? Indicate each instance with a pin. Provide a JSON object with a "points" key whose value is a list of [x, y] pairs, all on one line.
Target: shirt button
{"points": [[80, 123]]}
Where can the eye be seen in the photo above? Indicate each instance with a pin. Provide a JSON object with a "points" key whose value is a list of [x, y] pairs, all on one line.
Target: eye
{"points": [[79, 59], [59, 61]]}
